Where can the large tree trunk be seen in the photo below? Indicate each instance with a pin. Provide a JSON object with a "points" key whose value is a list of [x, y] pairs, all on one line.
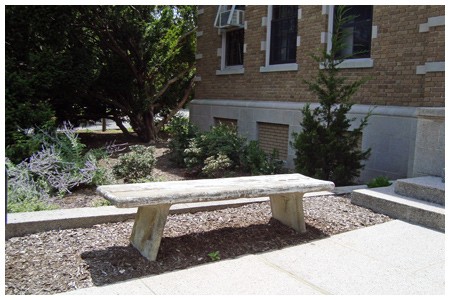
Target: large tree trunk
{"points": [[144, 126], [149, 122], [121, 126]]}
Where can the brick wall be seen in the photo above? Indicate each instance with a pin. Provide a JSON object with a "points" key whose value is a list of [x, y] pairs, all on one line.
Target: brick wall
{"points": [[398, 50]]}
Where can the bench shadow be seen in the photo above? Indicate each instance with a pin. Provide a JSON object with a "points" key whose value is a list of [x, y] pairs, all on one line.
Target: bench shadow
{"points": [[116, 264]]}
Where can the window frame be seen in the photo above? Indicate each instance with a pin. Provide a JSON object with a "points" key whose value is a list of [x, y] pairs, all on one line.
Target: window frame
{"points": [[230, 69], [289, 41], [351, 62], [276, 67]]}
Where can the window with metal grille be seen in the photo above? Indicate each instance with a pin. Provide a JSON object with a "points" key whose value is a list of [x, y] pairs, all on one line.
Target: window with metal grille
{"points": [[234, 54], [283, 37]]}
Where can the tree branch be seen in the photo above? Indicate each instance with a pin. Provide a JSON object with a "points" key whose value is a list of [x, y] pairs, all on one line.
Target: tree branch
{"points": [[180, 105], [170, 82]]}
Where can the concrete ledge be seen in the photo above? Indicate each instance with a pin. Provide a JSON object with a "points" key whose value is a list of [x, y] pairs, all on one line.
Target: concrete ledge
{"points": [[384, 200], [428, 188], [20, 224]]}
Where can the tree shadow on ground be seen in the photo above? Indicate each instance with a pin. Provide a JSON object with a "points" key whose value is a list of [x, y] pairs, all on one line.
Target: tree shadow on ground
{"points": [[117, 264]]}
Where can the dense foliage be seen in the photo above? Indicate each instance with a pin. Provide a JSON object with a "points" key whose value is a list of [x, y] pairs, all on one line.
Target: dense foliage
{"points": [[327, 148], [136, 165], [61, 165], [219, 152], [80, 63]]}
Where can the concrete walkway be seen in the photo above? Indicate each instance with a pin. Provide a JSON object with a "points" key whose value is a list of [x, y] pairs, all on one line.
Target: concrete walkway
{"points": [[395, 258]]}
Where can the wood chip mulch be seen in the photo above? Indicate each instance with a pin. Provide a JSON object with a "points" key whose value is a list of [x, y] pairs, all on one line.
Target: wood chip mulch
{"points": [[61, 260]]}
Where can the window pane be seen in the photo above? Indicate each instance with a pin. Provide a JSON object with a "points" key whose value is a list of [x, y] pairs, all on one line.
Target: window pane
{"points": [[283, 37], [235, 48], [358, 31]]}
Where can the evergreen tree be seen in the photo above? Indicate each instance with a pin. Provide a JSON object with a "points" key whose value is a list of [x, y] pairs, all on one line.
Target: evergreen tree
{"points": [[326, 148]]}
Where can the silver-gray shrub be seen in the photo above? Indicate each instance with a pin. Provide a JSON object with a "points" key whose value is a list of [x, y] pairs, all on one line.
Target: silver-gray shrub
{"points": [[56, 169], [136, 165], [60, 174]]}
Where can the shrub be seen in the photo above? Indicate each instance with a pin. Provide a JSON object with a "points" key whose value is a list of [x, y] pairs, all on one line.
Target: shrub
{"points": [[379, 181], [24, 192], [56, 169], [257, 162], [136, 165], [221, 139], [101, 202], [181, 132], [219, 151], [326, 148], [216, 166]]}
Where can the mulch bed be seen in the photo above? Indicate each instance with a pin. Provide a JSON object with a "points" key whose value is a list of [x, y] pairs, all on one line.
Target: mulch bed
{"points": [[61, 260]]}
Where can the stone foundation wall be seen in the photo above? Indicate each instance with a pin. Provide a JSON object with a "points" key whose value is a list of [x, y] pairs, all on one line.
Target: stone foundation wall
{"points": [[391, 133], [430, 142]]}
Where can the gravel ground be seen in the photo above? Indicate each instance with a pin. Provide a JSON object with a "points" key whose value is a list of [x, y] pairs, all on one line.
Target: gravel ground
{"points": [[61, 260]]}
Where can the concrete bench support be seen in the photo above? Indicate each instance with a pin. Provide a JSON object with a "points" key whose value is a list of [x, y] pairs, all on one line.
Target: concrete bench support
{"points": [[154, 199], [288, 209], [148, 229]]}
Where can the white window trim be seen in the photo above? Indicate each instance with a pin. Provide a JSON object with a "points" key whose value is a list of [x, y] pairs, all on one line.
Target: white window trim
{"points": [[347, 63], [278, 67], [228, 70]]}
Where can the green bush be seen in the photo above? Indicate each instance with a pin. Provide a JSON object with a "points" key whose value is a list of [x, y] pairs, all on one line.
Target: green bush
{"points": [[101, 202], [54, 170], [24, 192], [379, 181], [257, 162], [221, 139], [218, 152], [136, 165], [216, 166], [327, 148], [181, 132]]}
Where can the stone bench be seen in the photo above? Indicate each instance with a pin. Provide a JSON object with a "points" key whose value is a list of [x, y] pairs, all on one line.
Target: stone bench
{"points": [[154, 199]]}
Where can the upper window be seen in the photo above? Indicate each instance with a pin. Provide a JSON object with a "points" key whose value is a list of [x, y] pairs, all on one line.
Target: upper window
{"points": [[234, 47], [357, 31], [230, 21], [283, 35]]}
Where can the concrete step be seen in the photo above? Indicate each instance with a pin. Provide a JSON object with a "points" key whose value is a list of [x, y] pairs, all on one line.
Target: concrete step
{"points": [[428, 188], [384, 200]]}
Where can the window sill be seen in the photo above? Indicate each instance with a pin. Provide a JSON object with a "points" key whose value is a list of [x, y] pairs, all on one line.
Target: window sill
{"points": [[354, 63], [230, 71], [279, 68]]}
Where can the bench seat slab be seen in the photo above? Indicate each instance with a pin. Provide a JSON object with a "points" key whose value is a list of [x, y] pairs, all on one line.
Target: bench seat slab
{"points": [[288, 209], [148, 229]]}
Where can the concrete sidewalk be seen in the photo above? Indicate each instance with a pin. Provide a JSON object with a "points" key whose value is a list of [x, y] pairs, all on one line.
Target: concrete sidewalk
{"points": [[395, 258]]}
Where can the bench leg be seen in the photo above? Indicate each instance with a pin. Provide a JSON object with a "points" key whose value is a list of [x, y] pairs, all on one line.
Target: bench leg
{"points": [[288, 209], [148, 229]]}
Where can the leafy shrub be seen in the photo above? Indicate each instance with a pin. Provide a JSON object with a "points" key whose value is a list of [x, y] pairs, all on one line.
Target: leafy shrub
{"points": [[379, 181], [257, 162], [221, 139], [219, 151], [56, 169], [24, 192], [181, 132], [101, 202], [136, 165], [103, 176], [216, 166], [327, 148]]}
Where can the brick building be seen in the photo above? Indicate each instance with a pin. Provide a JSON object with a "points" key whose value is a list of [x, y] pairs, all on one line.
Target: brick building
{"points": [[252, 60]]}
